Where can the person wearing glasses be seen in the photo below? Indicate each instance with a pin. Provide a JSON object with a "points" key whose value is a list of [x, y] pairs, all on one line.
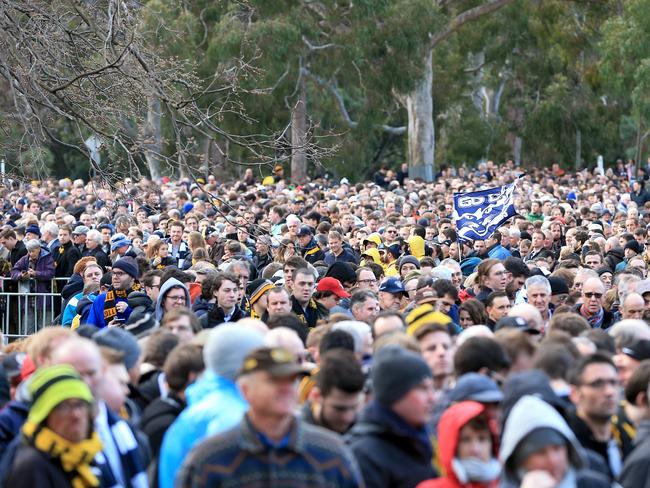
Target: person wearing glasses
{"points": [[112, 308], [595, 391], [173, 294], [491, 276], [591, 305]]}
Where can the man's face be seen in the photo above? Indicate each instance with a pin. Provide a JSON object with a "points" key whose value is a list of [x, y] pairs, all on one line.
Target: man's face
{"points": [[366, 311], [389, 301], [288, 277], [416, 406], [92, 274], [174, 298], [278, 302], [106, 235], [407, 268], [176, 233], [121, 280], [479, 247], [593, 261], [181, 327], [303, 287], [64, 236], [153, 290], [79, 239], [497, 278], [456, 276], [437, 351], [8, 242], [499, 308], [538, 240], [191, 224], [304, 240], [70, 419], [272, 397], [339, 409], [626, 367], [367, 281], [539, 297], [597, 395], [335, 245], [474, 444], [633, 307], [592, 295], [227, 294]]}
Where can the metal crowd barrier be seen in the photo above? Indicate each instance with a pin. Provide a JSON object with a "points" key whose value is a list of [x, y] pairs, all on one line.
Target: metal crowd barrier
{"points": [[24, 313]]}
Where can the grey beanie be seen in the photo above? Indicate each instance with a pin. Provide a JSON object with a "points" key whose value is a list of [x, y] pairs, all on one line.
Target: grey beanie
{"points": [[120, 340], [227, 346], [536, 440], [409, 259], [395, 371]]}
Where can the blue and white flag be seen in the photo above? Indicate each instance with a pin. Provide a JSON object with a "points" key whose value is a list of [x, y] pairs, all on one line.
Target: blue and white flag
{"points": [[479, 213]]}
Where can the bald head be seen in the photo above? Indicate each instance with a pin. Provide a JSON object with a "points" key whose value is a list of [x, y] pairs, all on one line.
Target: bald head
{"points": [[529, 313], [633, 307], [84, 356]]}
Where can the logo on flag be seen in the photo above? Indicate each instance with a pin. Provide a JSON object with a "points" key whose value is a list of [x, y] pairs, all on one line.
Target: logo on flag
{"points": [[479, 213]]}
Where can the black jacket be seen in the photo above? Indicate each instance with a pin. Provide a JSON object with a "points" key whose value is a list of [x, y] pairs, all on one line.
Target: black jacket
{"points": [[66, 256], [102, 258], [312, 314], [157, 418], [17, 252], [390, 453], [636, 470], [614, 257], [608, 317], [216, 317]]}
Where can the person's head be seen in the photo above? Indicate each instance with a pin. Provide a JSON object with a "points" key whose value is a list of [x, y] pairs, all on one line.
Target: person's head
{"points": [[472, 312], [630, 351], [174, 296], [226, 348], [124, 343], [151, 283], [278, 301], [183, 365], [366, 279], [181, 322], [64, 235], [436, 347], [364, 305], [267, 381], [386, 322], [481, 355], [338, 393], [176, 231], [497, 305], [402, 381], [492, 274], [124, 273], [593, 260], [33, 249], [633, 306], [303, 285], [538, 291], [226, 290], [390, 295], [62, 402], [595, 388], [8, 239], [92, 273], [592, 295], [84, 356]]}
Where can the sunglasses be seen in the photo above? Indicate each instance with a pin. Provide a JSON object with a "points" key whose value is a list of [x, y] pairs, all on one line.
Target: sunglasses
{"points": [[593, 294]]}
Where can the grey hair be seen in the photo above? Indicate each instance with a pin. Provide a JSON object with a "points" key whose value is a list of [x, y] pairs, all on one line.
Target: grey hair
{"points": [[94, 235], [51, 228], [626, 285], [358, 331], [32, 244], [538, 281]]}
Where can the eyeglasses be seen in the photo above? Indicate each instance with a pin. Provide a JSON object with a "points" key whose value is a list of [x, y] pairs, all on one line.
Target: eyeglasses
{"points": [[179, 298], [602, 383], [366, 282], [118, 274], [593, 294]]}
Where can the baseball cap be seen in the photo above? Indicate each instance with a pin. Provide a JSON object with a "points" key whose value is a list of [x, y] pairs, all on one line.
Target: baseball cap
{"points": [[425, 296], [515, 323], [332, 284], [278, 362], [639, 350], [80, 229], [304, 230], [477, 387], [392, 285]]}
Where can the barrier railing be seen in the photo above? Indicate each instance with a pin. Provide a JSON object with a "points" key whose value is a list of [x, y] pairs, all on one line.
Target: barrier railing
{"points": [[23, 313]]}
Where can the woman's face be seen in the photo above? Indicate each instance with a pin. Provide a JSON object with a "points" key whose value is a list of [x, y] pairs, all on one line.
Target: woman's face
{"points": [[497, 278], [465, 319], [163, 251]]}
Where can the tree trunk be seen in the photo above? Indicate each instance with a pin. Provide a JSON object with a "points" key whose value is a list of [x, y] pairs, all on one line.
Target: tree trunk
{"points": [[578, 163], [421, 134], [153, 137], [299, 136]]}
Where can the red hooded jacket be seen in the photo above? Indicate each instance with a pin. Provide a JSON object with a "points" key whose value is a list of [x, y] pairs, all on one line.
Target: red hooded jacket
{"points": [[451, 423]]}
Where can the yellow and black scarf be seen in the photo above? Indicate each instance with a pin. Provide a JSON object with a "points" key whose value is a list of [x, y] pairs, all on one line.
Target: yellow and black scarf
{"points": [[75, 458], [111, 299]]}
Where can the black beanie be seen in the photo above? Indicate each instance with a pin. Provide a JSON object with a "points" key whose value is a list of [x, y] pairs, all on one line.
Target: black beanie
{"points": [[342, 271], [128, 265], [395, 371]]}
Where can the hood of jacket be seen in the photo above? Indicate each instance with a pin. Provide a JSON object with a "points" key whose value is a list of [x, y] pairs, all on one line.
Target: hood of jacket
{"points": [[139, 299], [416, 245], [451, 423], [75, 285], [168, 285], [528, 414]]}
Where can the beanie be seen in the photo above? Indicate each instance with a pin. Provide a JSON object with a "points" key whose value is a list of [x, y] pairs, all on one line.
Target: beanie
{"points": [[257, 288], [537, 440], [409, 259], [342, 271], [120, 340], [395, 372], [227, 346], [127, 264], [50, 386]]}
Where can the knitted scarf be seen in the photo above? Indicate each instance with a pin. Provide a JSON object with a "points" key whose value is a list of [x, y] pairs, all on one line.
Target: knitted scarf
{"points": [[75, 458], [594, 320], [112, 295]]}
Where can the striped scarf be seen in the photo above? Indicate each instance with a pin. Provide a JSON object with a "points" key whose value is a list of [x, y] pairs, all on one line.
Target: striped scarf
{"points": [[112, 297], [595, 320]]}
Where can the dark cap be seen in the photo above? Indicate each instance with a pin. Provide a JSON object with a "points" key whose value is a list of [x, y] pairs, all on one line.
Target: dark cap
{"points": [[279, 363], [477, 387], [426, 296], [639, 350], [392, 285], [304, 230], [515, 323], [634, 245], [558, 285]]}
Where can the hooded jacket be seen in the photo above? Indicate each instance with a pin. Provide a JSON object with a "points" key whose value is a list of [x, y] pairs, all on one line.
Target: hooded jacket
{"points": [[44, 269], [417, 246], [164, 289], [531, 413], [451, 423], [389, 452]]}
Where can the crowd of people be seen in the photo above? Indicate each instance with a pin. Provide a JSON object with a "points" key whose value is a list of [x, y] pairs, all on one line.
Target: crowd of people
{"points": [[203, 334]]}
